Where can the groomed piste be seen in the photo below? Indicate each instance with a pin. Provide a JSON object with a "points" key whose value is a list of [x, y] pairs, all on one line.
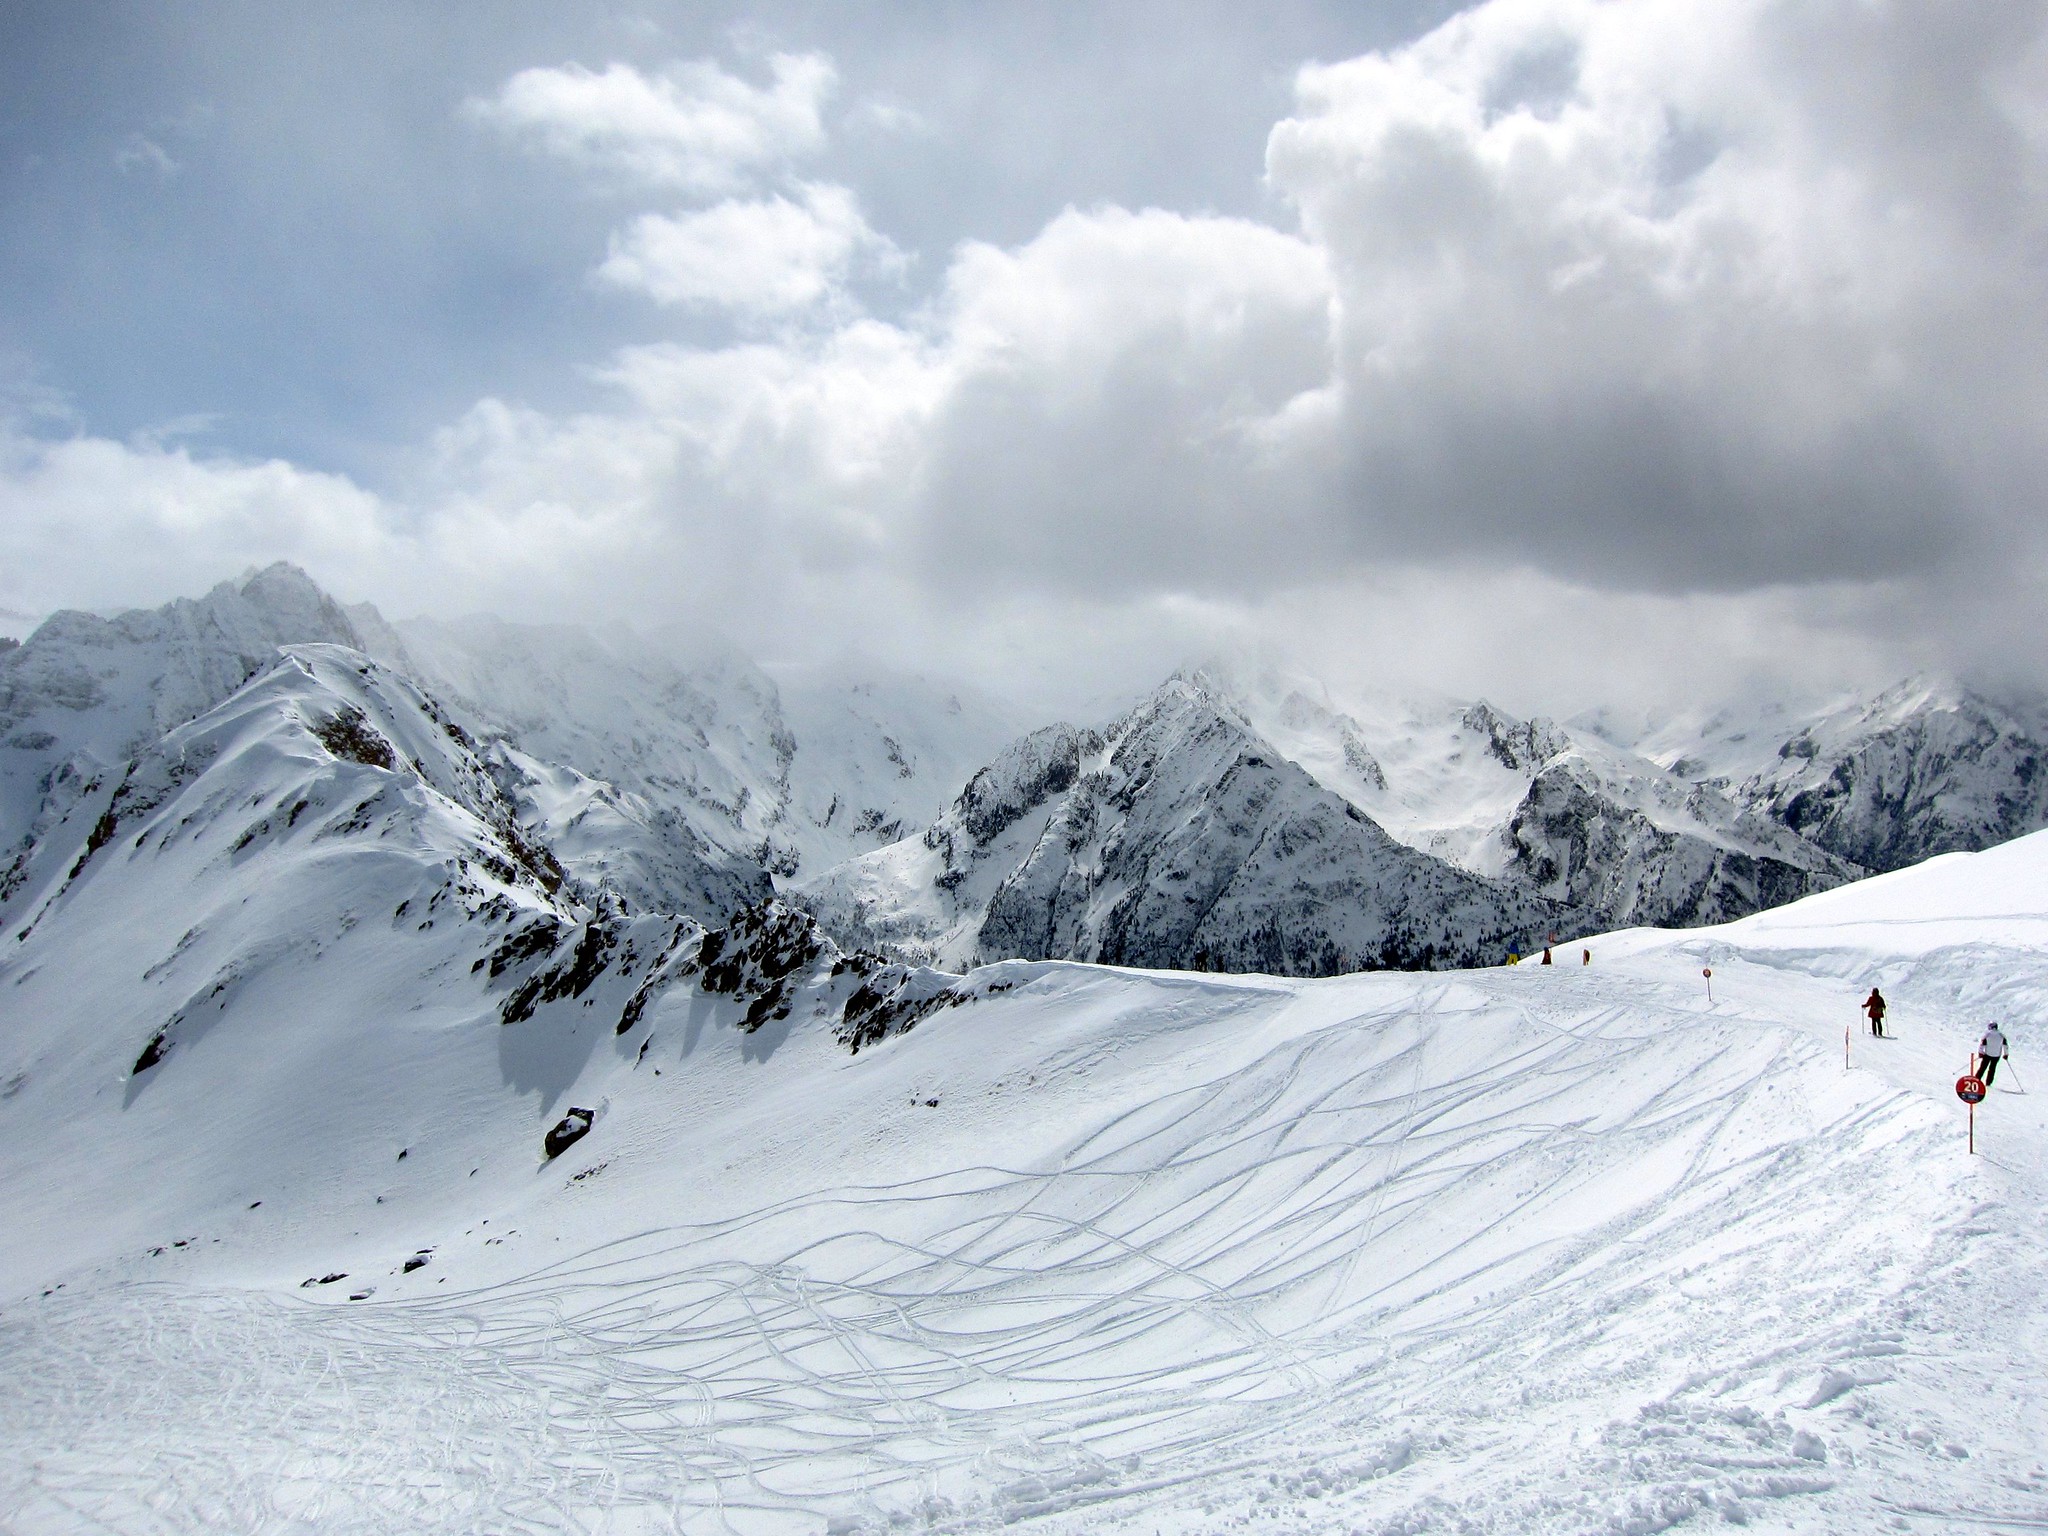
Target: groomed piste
{"points": [[1526, 1249]]}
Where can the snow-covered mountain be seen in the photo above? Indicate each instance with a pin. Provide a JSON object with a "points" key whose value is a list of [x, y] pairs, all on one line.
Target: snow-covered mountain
{"points": [[1159, 841], [376, 1154], [650, 780], [313, 908], [1882, 780], [1558, 810], [678, 776], [1178, 838], [692, 742], [879, 755], [379, 1189], [669, 777], [84, 696]]}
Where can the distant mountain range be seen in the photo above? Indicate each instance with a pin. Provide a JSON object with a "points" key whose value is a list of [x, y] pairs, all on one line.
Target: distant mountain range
{"points": [[1227, 821]]}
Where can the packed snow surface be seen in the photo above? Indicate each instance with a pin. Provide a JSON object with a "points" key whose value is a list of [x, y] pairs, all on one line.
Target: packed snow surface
{"points": [[1530, 1249]]}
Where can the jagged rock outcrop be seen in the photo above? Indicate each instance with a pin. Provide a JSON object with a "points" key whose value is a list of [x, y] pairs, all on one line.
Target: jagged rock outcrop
{"points": [[1027, 773], [1521, 746]]}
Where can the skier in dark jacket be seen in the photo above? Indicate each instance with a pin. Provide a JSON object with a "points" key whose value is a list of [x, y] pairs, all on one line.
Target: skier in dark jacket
{"points": [[1874, 1006], [1990, 1052]]}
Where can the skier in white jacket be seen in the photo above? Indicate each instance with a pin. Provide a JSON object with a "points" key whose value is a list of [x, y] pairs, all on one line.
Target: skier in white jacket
{"points": [[1990, 1052]]}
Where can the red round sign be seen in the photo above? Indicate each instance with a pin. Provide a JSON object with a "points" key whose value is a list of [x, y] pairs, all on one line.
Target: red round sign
{"points": [[1970, 1089]]}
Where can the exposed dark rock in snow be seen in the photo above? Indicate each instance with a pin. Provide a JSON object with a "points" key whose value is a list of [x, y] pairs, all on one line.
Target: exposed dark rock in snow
{"points": [[757, 955], [1574, 840], [572, 977], [1559, 810], [347, 734], [567, 1131], [1515, 744], [1029, 771], [538, 937], [152, 1053], [891, 999], [676, 961]]}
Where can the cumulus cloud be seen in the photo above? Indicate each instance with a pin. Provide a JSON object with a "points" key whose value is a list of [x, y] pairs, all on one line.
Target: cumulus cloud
{"points": [[759, 258], [1118, 401], [693, 126], [1670, 338], [1667, 296], [95, 523], [1108, 407], [1697, 293]]}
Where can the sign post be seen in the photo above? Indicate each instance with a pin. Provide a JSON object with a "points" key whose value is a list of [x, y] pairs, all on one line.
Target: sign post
{"points": [[1970, 1089], [1708, 972]]}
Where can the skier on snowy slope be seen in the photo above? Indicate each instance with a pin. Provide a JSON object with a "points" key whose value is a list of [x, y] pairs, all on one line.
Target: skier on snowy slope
{"points": [[1990, 1051], [1874, 1006]]}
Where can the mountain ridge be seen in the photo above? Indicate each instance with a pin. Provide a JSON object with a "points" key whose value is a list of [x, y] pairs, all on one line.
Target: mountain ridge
{"points": [[692, 781]]}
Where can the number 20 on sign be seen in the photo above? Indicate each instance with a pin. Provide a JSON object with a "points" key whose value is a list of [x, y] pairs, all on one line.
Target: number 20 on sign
{"points": [[1970, 1089]]}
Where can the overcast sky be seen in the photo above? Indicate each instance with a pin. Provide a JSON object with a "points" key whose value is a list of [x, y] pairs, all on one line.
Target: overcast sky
{"points": [[1551, 349]]}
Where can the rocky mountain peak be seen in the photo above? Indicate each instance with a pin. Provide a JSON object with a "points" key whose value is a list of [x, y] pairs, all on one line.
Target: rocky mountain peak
{"points": [[1021, 778], [1520, 745]]}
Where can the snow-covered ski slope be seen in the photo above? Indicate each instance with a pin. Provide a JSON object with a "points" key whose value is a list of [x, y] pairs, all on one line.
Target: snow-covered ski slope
{"points": [[1541, 1249]]}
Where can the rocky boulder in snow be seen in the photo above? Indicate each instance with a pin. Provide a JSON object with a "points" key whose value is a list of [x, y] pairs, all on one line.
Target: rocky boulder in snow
{"points": [[567, 1131]]}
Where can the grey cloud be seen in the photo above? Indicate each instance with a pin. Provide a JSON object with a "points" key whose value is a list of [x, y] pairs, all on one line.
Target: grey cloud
{"points": [[1570, 292], [1813, 360], [1635, 314]]}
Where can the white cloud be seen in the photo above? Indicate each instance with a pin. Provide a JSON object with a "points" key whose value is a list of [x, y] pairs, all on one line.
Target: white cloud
{"points": [[144, 155], [693, 126], [1656, 296], [1589, 309], [95, 523], [759, 258], [1118, 394]]}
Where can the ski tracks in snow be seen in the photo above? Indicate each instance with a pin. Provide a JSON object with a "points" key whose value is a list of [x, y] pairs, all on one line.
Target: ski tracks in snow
{"points": [[1637, 1263]]}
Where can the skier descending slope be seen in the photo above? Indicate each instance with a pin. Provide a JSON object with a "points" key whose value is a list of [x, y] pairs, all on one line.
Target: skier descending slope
{"points": [[1990, 1051], [1874, 1006]]}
